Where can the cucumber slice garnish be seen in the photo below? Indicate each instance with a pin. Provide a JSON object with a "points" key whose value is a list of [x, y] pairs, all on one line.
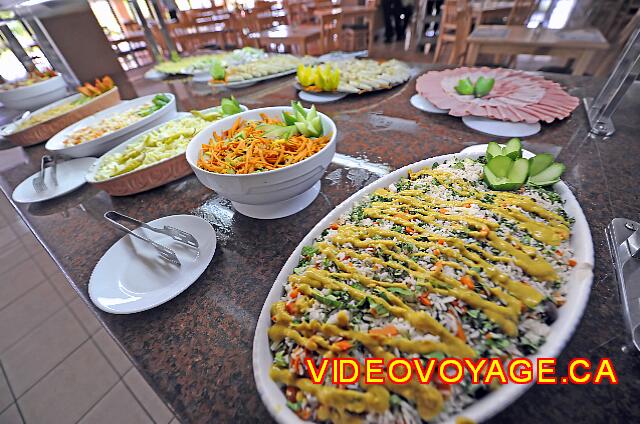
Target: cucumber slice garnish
{"points": [[539, 163], [513, 149], [493, 150], [519, 171], [550, 175], [504, 173], [500, 166]]}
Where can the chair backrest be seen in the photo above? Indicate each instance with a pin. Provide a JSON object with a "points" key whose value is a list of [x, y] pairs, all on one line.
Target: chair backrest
{"points": [[521, 11], [463, 28], [450, 8], [296, 11], [330, 32]]}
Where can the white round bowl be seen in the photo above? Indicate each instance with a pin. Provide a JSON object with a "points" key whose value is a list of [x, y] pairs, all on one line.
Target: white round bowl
{"points": [[270, 194], [100, 145], [35, 95]]}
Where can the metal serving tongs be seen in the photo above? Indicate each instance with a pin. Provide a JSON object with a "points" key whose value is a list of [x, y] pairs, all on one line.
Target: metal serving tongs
{"points": [[38, 182], [178, 235]]}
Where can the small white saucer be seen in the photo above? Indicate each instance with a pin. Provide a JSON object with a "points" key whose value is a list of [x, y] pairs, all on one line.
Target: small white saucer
{"points": [[425, 105], [321, 97], [132, 277], [279, 209], [70, 175], [501, 128]]}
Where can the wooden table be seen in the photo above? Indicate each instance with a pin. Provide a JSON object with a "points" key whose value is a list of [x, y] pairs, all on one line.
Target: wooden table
{"points": [[299, 35], [512, 40], [366, 12]]}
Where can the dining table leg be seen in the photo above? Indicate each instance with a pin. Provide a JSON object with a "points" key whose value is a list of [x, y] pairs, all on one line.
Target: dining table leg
{"points": [[472, 54], [580, 67], [370, 18], [303, 47]]}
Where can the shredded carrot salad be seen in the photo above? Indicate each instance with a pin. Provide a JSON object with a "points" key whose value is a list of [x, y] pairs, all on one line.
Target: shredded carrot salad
{"points": [[244, 149]]}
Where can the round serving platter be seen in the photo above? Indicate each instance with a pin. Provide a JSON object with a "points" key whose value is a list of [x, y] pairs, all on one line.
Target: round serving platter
{"points": [[132, 277], [578, 289]]}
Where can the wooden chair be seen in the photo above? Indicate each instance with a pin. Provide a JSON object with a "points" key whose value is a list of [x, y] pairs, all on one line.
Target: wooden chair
{"points": [[241, 24], [451, 28], [521, 11], [296, 12], [355, 34], [463, 28], [331, 32]]}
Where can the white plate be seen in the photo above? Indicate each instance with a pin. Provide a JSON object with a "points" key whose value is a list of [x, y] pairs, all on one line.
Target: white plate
{"points": [[91, 172], [321, 97], [425, 105], [100, 145], [70, 176], [36, 95], [132, 277], [578, 289], [501, 128], [249, 82]]}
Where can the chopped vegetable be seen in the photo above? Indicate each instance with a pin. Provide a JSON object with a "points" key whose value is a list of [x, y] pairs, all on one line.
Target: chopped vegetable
{"points": [[267, 144], [464, 87]]}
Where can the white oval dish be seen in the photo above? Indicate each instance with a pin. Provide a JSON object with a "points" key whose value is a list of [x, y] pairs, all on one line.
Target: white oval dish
{"points": [[70, 175], [425, 105], [321, 97], [578, 286], [501, 128], [271, 194], [93, 170], [132, 277], [35, 95], [100, 145]]}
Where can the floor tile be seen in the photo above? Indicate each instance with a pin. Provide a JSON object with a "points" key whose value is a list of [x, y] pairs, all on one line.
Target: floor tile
{"points": [[11, 254], [85, 316], [18, 226], [71, 389], [112, 351], [19, 280], [62, 285], [46, 264], [11, 416], [26, 313], [174, 421], [6, 398], [31, 243], [147, 397], [40, 351], [117, 406], [7, 235]]}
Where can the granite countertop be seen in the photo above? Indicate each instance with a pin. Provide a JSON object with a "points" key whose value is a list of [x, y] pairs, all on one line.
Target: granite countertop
{"points": [[195, 350]]}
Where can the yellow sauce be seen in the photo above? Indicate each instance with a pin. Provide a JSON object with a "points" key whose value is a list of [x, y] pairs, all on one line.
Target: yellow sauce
{"points": [[504, 306]]}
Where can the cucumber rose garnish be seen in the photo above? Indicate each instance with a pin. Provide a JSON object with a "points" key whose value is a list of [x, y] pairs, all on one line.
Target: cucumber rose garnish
{"points": [[507, 170]]}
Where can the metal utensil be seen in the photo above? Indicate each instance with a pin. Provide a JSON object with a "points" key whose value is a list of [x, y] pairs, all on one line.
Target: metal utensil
{"points": [[174, 233], [38, 182], [165, 253], [54, 171], [623, 236]]}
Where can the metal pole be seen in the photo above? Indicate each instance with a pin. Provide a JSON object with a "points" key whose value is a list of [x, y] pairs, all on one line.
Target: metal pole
{"points": [[17, 49], [173, 51], [608, 99], [151, 42], [51, 51]]}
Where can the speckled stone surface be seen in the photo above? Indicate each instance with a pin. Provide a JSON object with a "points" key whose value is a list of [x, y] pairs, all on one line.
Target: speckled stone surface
{"points": [[196, 350]]}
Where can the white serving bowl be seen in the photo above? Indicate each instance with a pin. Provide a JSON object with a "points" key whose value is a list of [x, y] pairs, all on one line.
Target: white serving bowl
{"points": [[35, 95], [100, 145], [270, 194]]}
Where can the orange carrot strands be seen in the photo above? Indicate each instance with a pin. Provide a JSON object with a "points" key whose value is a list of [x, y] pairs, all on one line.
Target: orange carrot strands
{"points": [[252, 152]]}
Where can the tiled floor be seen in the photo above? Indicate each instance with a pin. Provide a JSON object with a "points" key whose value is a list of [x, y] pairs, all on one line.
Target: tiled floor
{"points": [[57, 363]]}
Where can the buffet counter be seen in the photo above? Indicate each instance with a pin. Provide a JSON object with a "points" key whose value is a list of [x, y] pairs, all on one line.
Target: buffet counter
{"points": [[196, 350]]}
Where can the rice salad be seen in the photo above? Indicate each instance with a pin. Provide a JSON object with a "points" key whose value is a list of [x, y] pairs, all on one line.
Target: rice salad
{"points": [[435, 265]]}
